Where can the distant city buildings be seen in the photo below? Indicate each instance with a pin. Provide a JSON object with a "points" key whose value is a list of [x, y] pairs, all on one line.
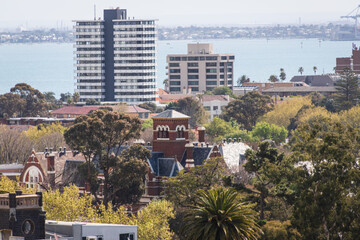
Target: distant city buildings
{"points": [[199, 70], [116, 58]]}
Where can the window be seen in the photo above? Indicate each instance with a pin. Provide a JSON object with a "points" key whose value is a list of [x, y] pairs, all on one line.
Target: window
{"points": [[193, 58], [174, 58], [222, 64], [214, 58], [174, 76], [174, 64], [209, 88], [163, 131], [195, 70], [126, 236], [183, 58], [174, 89], [211, 64], [207, 108], [222, 76], [180, 131], [211, 76], [176, 83], [215, 107], [229, 75], [190, 83], [230, 82], [193, 64], [202, 58], [229, 64], [211, 70], [231, 57], [193, 76], [211, 82], [223, 57], [221, 82], [174, 70], [195, 89]]}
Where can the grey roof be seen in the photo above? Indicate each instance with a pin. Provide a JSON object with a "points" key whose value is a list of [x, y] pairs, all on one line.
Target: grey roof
{"points": [[71, 173], [11, 166], [300, 89], [164, 167], [171, 114], [200, 154], [314, 80]]}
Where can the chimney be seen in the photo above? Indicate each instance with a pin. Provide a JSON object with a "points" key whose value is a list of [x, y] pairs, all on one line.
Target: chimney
{"points": [[189, 90], [201, 132], [189, 156], [60, 149]]}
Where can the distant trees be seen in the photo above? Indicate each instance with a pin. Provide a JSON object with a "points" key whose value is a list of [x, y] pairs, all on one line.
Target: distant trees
{"points": [[23, 101], [315, 69], [243, 79], [301, 70], [273, 78], [248, 108], [46, 136], [149, 106]]}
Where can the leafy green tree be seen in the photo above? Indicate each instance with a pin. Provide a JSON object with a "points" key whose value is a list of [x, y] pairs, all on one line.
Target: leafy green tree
{"points": [[264, 164], [265, 130], [65, 96], [220, 215], [248, 108], [11, 105], [91, 101], [273, 78], [301, 70], [223, 91], [282, 74], [102, 134], [326, 154], [348, 92], [49, 97], [76, 97], [218, 128]]}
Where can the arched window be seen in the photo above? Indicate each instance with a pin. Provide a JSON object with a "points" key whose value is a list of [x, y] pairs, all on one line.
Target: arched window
{"points": [[180, 131], [163, 131]]}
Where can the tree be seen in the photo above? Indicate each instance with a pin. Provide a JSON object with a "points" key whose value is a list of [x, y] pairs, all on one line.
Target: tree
{"points": [[220, 215], [282, 74], [166, 83], [149, 106], [315, 69], [264, 164], [46, 136], [91, 101], [248, 108], [10, 186], [273, 78], [76, 97], [222, 91], [348, 92], [218, 128], [35, 103], [326, 154], [11, 105], [301, 70], [265, 130], [243, 79], [65, 96], [193, 108], [15, 146], [102, 134], [49, 97]]}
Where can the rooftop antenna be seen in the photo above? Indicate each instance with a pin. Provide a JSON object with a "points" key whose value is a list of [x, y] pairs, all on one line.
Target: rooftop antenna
{"points": [[94, 11]]}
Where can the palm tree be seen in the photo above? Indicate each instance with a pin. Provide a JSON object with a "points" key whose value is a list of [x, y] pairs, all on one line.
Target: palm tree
{"points": [[315, 69], [243, 79], [166, 82], [219, 215], [301, 70], [282, 74]]}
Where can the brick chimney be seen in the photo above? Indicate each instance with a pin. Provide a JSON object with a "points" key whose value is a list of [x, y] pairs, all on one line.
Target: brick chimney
{"points": [[201, 131], [189, 156]]}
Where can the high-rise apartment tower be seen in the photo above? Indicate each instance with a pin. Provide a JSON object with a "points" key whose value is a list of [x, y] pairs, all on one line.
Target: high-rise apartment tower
{"points": [[115, 58], [199, 70]]}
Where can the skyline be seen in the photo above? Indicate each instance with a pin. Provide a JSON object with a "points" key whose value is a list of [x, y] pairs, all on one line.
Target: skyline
{"points": [[44, 13]]}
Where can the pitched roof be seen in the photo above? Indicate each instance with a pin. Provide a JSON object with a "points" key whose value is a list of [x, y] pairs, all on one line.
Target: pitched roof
{"points": [[136, 109], [300, 89], [170, 114], [200, 154], [208, 98]]}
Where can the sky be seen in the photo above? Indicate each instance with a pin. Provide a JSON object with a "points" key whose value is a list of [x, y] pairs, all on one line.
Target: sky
{"points": [[57, 13]]}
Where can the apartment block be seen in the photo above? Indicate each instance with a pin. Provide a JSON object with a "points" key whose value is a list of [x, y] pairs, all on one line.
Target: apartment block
{"points": [[199, 70], [115, 58]]}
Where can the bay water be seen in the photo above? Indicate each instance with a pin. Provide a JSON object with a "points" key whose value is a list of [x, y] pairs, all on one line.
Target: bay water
{"points": [[50, 66]]}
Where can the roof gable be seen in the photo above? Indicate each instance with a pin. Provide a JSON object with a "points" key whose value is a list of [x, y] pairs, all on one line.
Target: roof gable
{"points": [[170, 114]]}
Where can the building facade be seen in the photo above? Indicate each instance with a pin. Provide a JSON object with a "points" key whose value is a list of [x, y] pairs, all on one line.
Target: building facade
{"points": [[115, 58], [352, 62], [200, 69]]}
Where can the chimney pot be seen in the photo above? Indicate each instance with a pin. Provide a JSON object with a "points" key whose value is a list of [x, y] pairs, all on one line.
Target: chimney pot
{"points": [[201, 132], [64, 150]]}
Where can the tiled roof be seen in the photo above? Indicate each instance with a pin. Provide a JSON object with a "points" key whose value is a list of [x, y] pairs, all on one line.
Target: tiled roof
{"points": [[200, 154], [75, 110], [314, 80], [136, 109], [171, 114]]}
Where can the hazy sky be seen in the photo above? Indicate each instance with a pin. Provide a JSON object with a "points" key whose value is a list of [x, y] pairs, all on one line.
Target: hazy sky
{"points": [[45, 13]]}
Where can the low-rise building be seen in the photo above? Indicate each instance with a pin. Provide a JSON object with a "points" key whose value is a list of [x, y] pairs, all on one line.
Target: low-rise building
{"points": [[215, 104]]}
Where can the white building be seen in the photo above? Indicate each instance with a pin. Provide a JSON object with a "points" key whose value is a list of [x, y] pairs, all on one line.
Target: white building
{"points": [[115, 58], [215, 104], [89, 231]]}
